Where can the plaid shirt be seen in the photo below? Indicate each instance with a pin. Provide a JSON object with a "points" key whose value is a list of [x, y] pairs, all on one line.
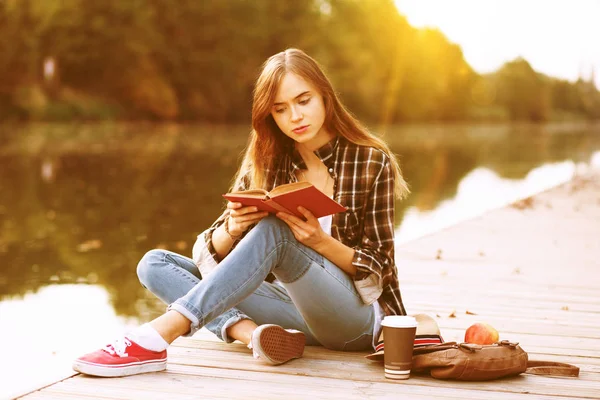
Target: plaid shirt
{"points": [[364, 183]]}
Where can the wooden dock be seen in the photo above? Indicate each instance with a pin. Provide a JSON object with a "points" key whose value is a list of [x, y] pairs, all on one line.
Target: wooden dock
{"points": [[532, 270]]}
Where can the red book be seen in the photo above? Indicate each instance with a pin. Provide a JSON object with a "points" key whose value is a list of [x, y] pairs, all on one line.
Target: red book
{"points": [[288, 198]]}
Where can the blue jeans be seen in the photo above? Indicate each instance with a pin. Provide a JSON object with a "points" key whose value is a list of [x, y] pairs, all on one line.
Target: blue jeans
{"points": [[315, 296]]}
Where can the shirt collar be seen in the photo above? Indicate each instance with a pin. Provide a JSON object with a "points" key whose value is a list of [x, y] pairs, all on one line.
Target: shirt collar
{"points": [[325, 154]]}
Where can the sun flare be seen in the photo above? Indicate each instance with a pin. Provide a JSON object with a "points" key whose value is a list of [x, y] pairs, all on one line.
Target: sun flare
{"points": [[555, 37]]}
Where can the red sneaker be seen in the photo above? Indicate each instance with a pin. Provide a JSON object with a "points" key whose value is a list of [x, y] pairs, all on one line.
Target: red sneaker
{"points": [[121, 358]]}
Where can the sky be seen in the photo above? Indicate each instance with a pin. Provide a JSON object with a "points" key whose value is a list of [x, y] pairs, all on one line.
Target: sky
{"points": [[559, 38]]}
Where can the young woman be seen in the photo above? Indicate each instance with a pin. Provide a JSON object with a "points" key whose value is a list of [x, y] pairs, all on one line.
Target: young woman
{"points": [[335, 276]]}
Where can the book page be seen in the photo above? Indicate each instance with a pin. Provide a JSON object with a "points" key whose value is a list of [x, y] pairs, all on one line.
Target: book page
{"points": [[247, 201], [259, 193], [287, 188]]}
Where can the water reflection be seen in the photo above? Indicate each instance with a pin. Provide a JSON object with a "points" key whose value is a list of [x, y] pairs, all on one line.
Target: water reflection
{"points": [[81, 204], [52, 327], [479, 191]]}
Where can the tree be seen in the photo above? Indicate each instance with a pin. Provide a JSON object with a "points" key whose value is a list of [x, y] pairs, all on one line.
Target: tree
{"points": [[523, 92]]}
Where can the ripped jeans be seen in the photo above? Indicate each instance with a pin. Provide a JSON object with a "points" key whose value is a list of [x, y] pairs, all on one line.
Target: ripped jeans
{"points": [[314, 295]]}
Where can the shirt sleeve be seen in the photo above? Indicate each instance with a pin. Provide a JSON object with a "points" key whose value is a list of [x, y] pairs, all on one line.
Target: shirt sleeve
{"points": [[207, 234], [374, 256]]}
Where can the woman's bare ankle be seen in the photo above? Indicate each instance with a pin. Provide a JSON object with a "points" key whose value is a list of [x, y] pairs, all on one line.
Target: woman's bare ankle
{"points": [[171, 325], [242, 331]]}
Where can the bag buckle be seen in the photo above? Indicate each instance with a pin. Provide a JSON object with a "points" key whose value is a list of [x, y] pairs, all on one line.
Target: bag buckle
{"points": [[508, 343], [470, 346]]}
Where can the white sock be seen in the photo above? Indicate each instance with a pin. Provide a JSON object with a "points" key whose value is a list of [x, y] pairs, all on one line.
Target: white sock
{"points": [[147, 337]]}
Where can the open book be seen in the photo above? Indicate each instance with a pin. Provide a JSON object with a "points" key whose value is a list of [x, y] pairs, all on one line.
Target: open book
{"points": [[288, 198]]}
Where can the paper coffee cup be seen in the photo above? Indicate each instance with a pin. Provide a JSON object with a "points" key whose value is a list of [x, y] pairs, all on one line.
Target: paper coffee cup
{"points": [[399, 339]]}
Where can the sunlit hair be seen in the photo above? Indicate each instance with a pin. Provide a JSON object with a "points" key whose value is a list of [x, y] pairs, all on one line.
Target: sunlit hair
{"points": [[267, 142]]}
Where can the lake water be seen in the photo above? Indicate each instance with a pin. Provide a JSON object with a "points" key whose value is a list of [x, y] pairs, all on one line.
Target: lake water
{"points": [[81, 203]]}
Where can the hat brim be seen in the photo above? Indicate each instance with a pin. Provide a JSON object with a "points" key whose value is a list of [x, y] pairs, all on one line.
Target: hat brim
{"points": [[430, 340], [427, 333], [377, 356], [420, 341]]}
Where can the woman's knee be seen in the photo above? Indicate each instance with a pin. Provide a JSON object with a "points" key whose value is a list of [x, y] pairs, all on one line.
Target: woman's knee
{"points": [[271, 220], [274, 224], [150, 265]]}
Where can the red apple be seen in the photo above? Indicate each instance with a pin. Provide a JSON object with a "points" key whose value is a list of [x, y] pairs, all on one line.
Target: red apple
{"points": [[481, 333]]}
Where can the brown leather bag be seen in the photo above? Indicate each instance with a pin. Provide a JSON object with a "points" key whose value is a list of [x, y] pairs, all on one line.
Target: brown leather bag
{"points": [[473, 362]]}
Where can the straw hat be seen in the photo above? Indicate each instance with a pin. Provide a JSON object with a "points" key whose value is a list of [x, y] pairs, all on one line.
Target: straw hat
{"points": [[427, 333]]}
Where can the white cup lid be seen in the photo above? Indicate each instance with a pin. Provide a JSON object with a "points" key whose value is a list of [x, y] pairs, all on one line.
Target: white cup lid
{"points": [[399, 321]]}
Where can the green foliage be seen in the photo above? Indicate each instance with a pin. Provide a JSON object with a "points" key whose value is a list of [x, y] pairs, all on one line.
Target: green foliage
{"points": [[579, 98], [198, 60], [522, 91]]}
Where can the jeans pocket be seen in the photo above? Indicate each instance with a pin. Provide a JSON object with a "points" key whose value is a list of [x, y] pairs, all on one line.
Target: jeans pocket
{"points": [[363, 342]]}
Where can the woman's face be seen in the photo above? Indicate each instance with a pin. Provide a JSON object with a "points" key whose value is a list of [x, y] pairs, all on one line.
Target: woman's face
{"points": [[299, 112]]}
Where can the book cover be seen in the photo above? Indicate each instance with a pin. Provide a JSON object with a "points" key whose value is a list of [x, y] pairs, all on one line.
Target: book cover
{"points": [[288, 198]]}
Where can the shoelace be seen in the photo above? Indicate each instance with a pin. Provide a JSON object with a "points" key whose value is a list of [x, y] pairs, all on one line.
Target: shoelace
{"points": [[118, 347]]}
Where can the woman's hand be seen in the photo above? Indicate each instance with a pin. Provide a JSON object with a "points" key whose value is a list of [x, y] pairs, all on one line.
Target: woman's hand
{"points": [[240, 217], [308, 232]]}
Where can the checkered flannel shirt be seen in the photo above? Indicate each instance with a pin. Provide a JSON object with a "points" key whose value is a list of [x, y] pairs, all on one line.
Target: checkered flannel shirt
{"points": [[364, 183]]}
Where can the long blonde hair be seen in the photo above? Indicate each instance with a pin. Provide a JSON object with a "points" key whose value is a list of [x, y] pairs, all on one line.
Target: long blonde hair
{"points": [[267, 142]]}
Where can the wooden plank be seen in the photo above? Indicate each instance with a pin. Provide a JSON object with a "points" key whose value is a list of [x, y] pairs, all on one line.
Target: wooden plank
{"points": [[412, 302], [589, 364], [48, 381], [494, 289], [587, 295], [582, 347], [516, 326], [530, 341], [484, 309], [408, 387], [507, 280], [500, 287], [192, 382], [56, 394], [317, 353], [50, 394], [359, 370], [520, 292], [533, 347]]}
